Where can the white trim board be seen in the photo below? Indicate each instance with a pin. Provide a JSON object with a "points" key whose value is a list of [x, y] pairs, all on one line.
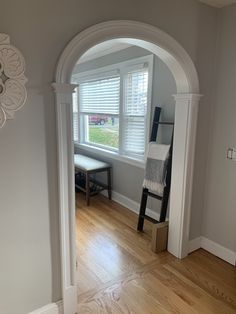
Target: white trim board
{"points": [[60, 307], [130, 204], [194, 244], [186, 112], [214, 248], [53, 308]]}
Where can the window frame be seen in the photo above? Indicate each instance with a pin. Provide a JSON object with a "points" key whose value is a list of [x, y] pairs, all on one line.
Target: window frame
{"points": [[120, 69]]}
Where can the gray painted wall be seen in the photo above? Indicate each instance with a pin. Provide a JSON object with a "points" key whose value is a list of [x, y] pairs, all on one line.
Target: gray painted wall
{"points": [[219, 218], [29, 241], [163, 87]]}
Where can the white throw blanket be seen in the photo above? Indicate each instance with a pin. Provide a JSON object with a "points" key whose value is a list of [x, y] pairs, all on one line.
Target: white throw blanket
{"points": [[155, 172]]}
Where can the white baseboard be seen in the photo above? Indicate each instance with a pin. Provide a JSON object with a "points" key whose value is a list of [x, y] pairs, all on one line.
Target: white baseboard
{"points": [[53, 308], [60, 307], [194, 244], [214, 248], [219, 250], [130, 204]]}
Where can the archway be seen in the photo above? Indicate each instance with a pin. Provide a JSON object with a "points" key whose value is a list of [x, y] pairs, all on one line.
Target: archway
{"points": [[187, 99]]}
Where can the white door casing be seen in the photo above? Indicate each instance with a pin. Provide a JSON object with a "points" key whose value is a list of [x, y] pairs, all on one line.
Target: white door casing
{"points": [[65, 151], [186, 109]]}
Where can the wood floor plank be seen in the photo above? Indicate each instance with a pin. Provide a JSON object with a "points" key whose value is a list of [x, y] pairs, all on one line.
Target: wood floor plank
{"points": [[213, 285], [221, 269], [199, 299], [118, 272]]}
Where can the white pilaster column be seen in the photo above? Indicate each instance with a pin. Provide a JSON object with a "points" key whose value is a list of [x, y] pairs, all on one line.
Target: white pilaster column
{"points": [[186, 112], [65, 147]]}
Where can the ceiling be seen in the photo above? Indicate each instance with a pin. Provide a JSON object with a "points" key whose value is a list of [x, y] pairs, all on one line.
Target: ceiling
{"points": [[218, 3], [104, 49]]}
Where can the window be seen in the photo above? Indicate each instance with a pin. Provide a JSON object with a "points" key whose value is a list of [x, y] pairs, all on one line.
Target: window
{"points": [[111, 109], [135, 111], [99, 103]]}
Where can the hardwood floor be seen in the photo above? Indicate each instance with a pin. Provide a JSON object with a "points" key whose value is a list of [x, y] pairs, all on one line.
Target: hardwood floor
{"points": [[118, 273]]}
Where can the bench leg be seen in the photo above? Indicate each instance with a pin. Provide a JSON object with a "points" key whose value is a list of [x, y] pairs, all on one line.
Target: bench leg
{"points": [[109, 183], [87, 189]]}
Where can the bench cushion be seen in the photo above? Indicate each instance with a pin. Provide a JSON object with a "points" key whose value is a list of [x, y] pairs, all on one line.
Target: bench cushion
{"points": [[89, 164]]}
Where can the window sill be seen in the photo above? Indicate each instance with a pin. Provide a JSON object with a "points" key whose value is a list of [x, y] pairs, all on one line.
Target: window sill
{"points": [[112, 155]]}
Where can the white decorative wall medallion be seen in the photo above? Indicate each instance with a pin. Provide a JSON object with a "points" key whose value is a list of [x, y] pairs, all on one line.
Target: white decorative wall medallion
{"points": [[12, 80]]}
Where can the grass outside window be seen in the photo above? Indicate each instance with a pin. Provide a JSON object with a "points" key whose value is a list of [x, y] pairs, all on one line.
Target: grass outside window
{"points": [[107, 135]]}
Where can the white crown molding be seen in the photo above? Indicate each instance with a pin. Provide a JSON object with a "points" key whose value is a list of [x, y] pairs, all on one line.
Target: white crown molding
{"points": [[12, 80], [64, 88], [194, 98]]}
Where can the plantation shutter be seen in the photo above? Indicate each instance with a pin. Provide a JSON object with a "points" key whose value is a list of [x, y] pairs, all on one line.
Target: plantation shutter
{"points": [[101, 96], [75, 117], [135, 110]]}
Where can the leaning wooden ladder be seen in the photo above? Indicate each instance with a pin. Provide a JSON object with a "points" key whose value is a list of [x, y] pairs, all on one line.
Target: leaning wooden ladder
{"points": [[164, 199]]}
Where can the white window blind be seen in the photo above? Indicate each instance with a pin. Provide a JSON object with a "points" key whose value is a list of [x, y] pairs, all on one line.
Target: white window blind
{"points": [[119, 95], [75, 117], [135, 110], [101, 96]]}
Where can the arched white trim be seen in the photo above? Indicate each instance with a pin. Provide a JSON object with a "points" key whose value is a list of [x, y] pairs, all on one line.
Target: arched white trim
{"points": [[150, 38], [187, 99]]}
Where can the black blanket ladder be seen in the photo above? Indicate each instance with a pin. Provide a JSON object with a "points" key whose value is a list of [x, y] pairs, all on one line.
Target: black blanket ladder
{"points": [[164, 199]]}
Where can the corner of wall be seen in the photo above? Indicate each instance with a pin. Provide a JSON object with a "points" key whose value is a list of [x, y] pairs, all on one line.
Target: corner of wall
{"points": [[53, 308], [213, 248]]}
